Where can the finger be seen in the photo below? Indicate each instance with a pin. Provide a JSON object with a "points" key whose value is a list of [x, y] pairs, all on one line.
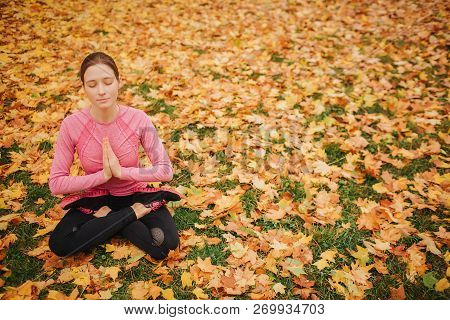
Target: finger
{"points": [[110, 150], [108, 145], [105, 150]]}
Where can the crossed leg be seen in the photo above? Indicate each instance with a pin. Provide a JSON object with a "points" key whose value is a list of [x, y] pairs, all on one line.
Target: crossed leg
{"points": [[155, 233], [78, 231]]}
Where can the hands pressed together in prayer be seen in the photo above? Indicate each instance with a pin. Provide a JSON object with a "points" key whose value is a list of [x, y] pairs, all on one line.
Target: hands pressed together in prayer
{"points": [[111, 164], [112, 168]]}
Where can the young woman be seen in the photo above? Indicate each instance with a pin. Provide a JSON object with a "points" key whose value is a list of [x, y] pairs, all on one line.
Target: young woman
{"points": [[113, 197]]}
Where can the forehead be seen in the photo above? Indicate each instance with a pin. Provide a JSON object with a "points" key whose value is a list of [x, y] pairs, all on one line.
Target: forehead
{"points": [[98, 71]]}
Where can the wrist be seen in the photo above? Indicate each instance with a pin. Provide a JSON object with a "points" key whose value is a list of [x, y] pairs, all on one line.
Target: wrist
{"points": [[106, 174]]}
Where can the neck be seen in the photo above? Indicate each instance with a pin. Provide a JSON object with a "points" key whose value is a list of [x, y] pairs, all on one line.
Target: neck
{"points": [[104, 115]]}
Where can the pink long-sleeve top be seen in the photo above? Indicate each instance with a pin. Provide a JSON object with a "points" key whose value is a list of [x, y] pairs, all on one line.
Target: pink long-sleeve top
{"points": [[130, 128]]}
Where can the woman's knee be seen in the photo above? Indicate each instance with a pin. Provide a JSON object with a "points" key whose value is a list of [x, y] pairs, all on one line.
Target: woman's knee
{"points": [[172, 240], [55, 245]]}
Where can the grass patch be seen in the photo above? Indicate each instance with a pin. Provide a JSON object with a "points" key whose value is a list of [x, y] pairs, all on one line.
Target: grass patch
{"points": [[23, 266], [375, 108], [226, 185], [350, 191], [292, 223], [330, 110], [34, 192], [216, 253], [182, 178], [65, 288], [250, 199], [142, 272], [103, 258], [330, 237], [421, 219], [415, 166], [4, 153], [197, 127], [382, 283], [334, 154], [159, 105], [180, 293], [185, 218], [295, 188]]}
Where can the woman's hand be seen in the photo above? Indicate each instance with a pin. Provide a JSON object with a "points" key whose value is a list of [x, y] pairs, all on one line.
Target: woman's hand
{"points": [[114, 163], [106, 168]]}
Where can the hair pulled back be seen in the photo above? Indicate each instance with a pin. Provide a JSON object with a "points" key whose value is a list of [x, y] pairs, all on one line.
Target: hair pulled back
{"points": [[98, 58]]}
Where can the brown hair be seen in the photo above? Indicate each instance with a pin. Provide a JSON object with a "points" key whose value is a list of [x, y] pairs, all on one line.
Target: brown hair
{"points": [[96, 58]]}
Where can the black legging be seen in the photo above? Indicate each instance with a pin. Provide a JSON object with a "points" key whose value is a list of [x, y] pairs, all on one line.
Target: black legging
{"points": [[78, 231]]}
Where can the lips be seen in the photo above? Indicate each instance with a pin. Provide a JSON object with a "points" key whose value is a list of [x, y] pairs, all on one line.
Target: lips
{"points": [[103, 100]]}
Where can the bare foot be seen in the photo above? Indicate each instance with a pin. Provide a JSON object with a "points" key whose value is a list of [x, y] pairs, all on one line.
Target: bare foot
{"points": [[140, 210], [103, 211]]}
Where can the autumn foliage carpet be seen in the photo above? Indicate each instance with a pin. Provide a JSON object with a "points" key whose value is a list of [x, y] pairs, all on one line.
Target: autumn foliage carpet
{"points": [[311, 139]]}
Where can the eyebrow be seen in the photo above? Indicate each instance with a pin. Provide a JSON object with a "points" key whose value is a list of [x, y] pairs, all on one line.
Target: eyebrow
{"points": [[103, 78]]}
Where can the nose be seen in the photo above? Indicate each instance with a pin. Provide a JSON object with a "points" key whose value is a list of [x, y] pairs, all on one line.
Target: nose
{"points": [[101, 89]]}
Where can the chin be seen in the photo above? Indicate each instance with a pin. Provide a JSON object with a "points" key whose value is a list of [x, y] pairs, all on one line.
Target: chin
{"points": [[104, 105]]}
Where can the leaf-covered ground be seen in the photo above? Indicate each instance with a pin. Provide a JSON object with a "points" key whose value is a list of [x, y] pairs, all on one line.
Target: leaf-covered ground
{"points": [[311, 139]]}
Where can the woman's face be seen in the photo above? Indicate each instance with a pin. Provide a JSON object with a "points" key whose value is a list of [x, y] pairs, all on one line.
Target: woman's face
{"points": [[101, 83]]}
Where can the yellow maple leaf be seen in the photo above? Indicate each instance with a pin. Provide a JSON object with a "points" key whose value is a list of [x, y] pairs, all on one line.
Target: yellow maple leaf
{"points": [[442, 285], [238, 250], [205, 265], [428, 241], [56, 295], [118, 252], [113, 272], [82, 278], [362, 254], [46, 230], [139, 293], [321, 264], [329, 255], [199, 293], [186, 279], [168, 294], [380, 188], [279, 288]]}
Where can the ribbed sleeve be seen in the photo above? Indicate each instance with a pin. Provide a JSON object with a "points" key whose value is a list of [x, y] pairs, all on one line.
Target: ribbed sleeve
{"points": [[161, 169], [60, 181]]}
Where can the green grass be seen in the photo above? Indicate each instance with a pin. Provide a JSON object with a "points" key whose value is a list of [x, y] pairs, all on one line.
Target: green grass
{"points": [[181, 293], [182, 178], [415, 166], [330, 110], [250, 199], [349, 190], [185, 218], [376, 108], [334, 154], [216, 253], [421, 219], [103, 258], [292, 223], [329, 237], [23, 266], [295, 188], [65, 288], [34, 192], [142, 272], [5, 156], [225, 185]]}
